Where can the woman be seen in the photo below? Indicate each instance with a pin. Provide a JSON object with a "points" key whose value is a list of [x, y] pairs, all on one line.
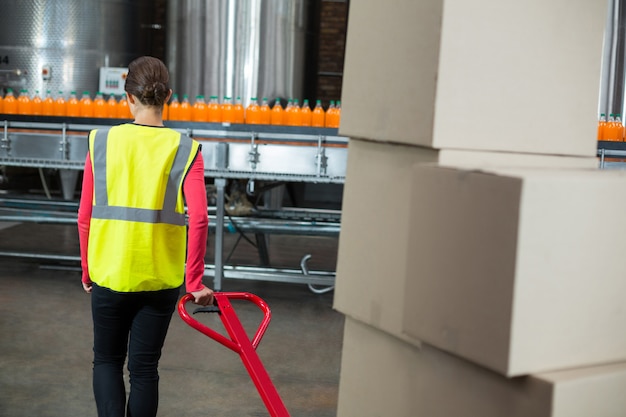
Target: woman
{"points": [[135, 247]]}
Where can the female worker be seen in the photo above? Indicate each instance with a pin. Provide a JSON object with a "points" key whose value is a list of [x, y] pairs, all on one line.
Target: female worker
{"points": [[135, 247]]}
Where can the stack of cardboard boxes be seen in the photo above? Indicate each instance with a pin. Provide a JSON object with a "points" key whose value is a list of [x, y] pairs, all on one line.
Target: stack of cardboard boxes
{"points": [[480, 259]]}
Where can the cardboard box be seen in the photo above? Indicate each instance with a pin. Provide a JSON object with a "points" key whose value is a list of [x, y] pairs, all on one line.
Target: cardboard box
{"points": [[385, 376], [520, 270], [376, 212], [483, 74]]}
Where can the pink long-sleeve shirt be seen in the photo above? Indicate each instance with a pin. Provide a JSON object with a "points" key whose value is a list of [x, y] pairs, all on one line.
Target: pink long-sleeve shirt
{"points": [[195, 197]]}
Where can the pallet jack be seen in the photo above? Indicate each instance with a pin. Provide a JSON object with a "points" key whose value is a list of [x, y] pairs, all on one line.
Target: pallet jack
{"points": [[239, 341]]}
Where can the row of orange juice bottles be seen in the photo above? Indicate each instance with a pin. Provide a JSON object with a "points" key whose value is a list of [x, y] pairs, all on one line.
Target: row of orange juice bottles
{"points": [[255, 113], [59, 106], [200, 111], [612, 129]]}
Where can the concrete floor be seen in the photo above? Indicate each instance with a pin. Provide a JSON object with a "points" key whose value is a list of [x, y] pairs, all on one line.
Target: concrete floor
{"points": [[45, 337]]}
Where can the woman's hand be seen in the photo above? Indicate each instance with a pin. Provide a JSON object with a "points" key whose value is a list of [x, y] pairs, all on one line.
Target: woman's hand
{"points": [[204, 297]]}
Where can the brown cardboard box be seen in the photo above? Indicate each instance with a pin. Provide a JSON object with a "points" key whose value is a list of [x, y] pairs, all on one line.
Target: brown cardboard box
{"points": [[385, 376], [376, 212], [519, 270], [483, 74]]}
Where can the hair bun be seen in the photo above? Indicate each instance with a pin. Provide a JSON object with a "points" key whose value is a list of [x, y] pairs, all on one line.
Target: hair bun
{"points": [[148, 80]]}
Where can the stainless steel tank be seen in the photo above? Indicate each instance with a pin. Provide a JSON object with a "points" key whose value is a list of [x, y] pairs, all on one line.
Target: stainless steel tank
{"points": [[613, 77], [61, 44], [247, 48]]}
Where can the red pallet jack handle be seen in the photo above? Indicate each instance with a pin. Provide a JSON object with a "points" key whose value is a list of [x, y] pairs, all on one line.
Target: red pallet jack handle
{"points": [[240, 343]]}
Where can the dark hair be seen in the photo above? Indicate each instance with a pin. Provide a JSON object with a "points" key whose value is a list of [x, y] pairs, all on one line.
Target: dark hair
{"points": [[148, 80]]}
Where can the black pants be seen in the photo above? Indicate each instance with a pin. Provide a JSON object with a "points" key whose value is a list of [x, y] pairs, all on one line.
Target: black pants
{"points": [[136, 323]]}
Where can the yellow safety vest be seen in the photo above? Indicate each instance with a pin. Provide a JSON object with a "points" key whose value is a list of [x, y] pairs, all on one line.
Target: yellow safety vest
{"points": [[137, 236]]}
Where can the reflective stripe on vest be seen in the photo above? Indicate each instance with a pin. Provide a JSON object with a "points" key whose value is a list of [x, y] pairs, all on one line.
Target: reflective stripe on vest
{"points": [[102, 210]]}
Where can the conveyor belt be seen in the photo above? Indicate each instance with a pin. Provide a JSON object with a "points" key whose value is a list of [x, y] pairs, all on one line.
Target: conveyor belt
{"points": [[296, 154]]}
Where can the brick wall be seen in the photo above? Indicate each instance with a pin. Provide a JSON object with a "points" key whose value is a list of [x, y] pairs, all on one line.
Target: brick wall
{"points": [[333, 21]]}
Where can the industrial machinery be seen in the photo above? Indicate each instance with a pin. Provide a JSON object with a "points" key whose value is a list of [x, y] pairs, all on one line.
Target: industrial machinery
{"points": [[59, 45], [249, 48], [248, 152]]}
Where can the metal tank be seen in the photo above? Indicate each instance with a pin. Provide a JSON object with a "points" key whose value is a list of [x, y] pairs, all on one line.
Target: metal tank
{"points": [[247, 48], [61, 44]]}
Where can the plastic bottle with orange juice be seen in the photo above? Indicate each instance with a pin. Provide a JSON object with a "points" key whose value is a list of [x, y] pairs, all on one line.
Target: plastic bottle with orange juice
{"points": [[318, 115], [24, 104], [252, 112], [330, 114], [48, 104], [36, 104], [60, 105], [265, 113], [333, 114], [287, 113], [123, 110], [10, 102], [99, 106], [199, 111], [609, 129], [338, 113], [111, 107], [185, 109], [228, 115], [293, 117], [305, 113], [86, 105], [1, 104], [291, 113], [297, 113], [277, 116], [618, 134], [238, 111], [601, 126], [165, 112], [174, 108], [215, 110], [73, 105]]}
